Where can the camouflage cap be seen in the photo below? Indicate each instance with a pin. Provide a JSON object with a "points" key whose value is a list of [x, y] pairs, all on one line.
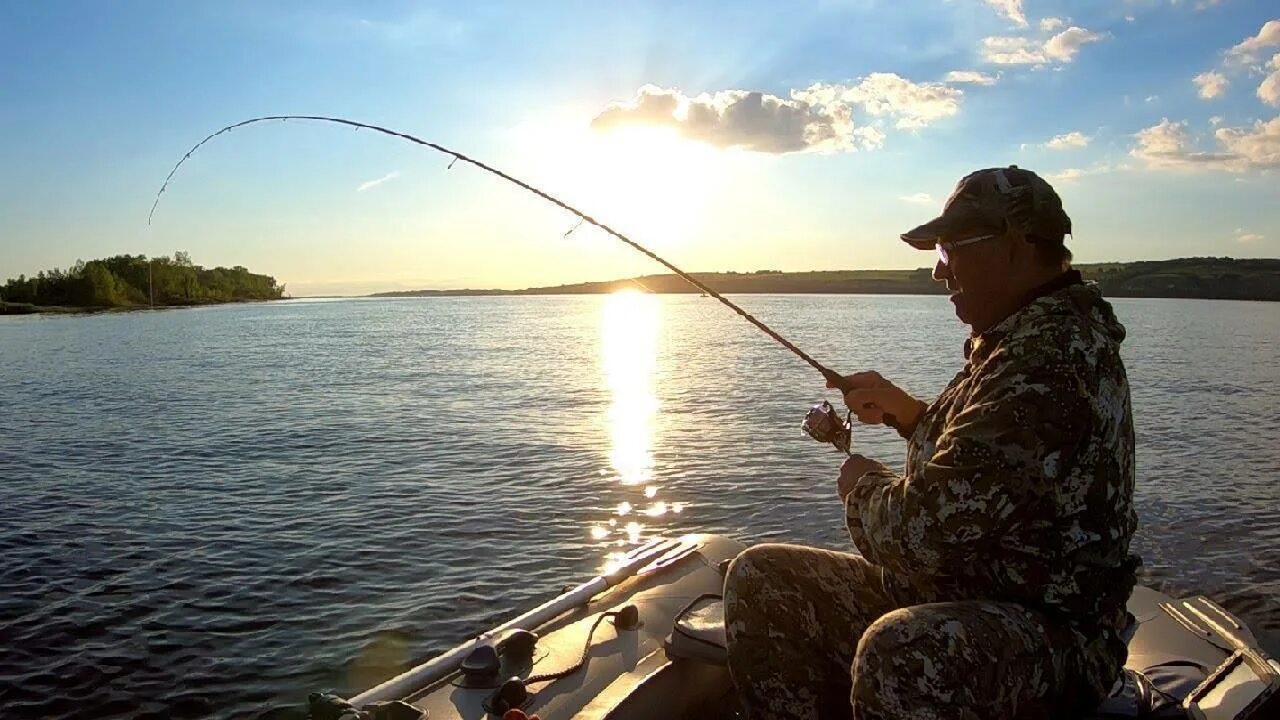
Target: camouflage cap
{"points": [[993, 200]]}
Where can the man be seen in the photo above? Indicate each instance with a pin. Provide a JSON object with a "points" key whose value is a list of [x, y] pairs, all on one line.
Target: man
{"points": [[994, 573]]}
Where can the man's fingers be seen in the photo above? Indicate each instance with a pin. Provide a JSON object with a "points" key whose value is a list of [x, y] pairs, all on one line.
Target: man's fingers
{"points": [[867, 397], [868, 404], [864, 379]]}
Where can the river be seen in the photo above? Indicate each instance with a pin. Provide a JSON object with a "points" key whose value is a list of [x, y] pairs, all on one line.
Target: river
{"points": [[211, 512]]}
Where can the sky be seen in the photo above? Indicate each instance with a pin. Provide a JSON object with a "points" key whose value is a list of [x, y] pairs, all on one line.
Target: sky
{"points": [[725, 136]]}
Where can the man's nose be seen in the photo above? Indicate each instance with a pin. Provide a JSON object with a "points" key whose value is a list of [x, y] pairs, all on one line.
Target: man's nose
{"points": [[941, 271]]}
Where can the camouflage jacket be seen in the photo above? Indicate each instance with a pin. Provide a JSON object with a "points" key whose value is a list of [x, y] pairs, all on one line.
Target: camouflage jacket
{"points": [[1019, 480]]}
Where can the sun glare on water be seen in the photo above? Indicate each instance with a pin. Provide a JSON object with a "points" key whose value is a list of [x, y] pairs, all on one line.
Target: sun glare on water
{"points": [[629, 329]]}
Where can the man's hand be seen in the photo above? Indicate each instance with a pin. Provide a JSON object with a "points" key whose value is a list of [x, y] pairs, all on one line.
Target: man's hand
{"points": [[852, 470], [870, 397]]}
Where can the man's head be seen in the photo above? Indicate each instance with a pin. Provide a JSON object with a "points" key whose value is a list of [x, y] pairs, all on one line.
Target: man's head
{"points": [[1000, 235]]}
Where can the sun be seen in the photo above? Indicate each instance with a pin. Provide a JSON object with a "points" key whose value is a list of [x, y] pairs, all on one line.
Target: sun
{"points": [[651, 183]]}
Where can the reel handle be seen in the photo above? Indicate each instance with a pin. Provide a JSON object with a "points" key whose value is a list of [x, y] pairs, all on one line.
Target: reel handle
{"points": [[842, 384]]}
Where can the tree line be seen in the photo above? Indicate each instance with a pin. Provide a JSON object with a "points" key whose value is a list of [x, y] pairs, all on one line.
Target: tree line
{"points": [[129, 280]]}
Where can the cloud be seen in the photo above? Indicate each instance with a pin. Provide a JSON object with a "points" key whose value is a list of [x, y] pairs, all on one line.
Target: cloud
{"points": [[1067, 43], [912, 104], [970, 76], [1011, 9], [818, 118], [1246, 237], [1269, 90], [1247, 50], [1071, 175], [1012, 51], [1167, 146], [375, 183], [1210, 84], [1068, 140], [1256, 147], [920, 198], [1216, 120], [1050, 24], [733, 118], [1062, 48]]}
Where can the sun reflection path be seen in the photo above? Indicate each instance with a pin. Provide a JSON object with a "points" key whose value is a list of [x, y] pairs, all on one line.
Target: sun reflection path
{"points": [[629, 325], [629, 334]]}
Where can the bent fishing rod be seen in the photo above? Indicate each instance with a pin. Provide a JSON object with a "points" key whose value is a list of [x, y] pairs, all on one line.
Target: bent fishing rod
{"points": [[820, 417]]}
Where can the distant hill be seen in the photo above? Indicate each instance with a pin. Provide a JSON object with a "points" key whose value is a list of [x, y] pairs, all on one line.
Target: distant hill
{"points": [[1214, 278]]}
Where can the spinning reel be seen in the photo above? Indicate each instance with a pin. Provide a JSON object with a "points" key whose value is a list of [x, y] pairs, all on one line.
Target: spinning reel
{"points": [[824, 424]]}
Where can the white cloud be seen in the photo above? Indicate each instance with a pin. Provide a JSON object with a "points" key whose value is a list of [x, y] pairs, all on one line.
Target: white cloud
{"points": [[1152, 98], [1167, 146], [887, 94], [1246, 237], [1210, 84], [1062, 47], [1072, 139], [1012, 51], [378, 181], [1247, 50], [817, 118], [1050, 24], [1269, 90], [1011, 9], [1256, 147], [1216, 120], [970, 76], [921, 198], [1068, 175], [1067, 43]]}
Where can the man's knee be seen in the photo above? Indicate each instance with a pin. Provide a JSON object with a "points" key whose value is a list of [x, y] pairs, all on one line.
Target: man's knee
{"points": [[958, 655], [752, 569]]}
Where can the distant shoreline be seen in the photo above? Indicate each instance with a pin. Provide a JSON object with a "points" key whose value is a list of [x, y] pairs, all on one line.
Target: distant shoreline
{"points": [[1193, 278]]}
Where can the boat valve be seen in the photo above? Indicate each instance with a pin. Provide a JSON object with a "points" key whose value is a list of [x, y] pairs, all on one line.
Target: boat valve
{"points": [[627, 618], [481, 665], [512, 694], [520, 644]]}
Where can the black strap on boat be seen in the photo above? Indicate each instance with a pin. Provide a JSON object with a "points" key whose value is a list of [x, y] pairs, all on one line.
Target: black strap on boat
{"points": [[514, 693], [626, 618]]}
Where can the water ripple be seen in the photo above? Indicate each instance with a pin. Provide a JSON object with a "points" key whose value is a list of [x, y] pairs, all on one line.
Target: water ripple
{"points": [[211, 513]]}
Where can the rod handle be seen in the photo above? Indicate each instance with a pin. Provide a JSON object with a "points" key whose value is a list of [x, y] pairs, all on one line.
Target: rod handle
{"points": [[841, 383]]}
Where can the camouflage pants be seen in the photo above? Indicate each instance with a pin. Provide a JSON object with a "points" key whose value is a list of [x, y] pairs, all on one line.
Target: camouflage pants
{"points": [[816, 634]]}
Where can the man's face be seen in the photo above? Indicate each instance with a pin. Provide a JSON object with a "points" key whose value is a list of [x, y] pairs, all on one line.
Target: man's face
{"points": [[978, 277]]}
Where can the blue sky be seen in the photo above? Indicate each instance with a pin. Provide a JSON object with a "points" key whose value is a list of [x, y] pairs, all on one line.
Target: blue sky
{"points": [[739, 135]]}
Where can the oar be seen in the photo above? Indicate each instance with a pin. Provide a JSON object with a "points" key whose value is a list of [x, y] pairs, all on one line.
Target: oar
{"points": [[441, 666]]}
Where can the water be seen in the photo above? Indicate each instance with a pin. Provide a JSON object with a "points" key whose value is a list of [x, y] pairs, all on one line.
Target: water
{"points": [[212, 512]]}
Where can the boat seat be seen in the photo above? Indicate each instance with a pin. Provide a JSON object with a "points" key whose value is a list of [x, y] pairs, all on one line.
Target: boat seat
{"points": [[698, 633]]}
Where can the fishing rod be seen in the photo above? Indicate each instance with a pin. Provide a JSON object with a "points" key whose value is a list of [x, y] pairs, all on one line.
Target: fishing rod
{"points": [[821, 423]]}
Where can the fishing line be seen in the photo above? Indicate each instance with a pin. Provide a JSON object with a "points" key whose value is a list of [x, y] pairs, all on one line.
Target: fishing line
{"points": [[831, 376]]}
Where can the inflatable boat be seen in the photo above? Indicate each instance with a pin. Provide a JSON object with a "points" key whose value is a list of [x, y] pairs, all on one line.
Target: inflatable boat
{"points": [[645, 640]]}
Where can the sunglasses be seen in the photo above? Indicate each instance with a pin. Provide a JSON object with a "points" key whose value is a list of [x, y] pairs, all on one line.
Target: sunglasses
{"points": [[946, 247]]}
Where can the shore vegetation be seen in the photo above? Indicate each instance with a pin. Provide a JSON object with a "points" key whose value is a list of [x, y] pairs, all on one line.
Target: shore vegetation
{"points": [[130, 281], [1210, 278]]}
